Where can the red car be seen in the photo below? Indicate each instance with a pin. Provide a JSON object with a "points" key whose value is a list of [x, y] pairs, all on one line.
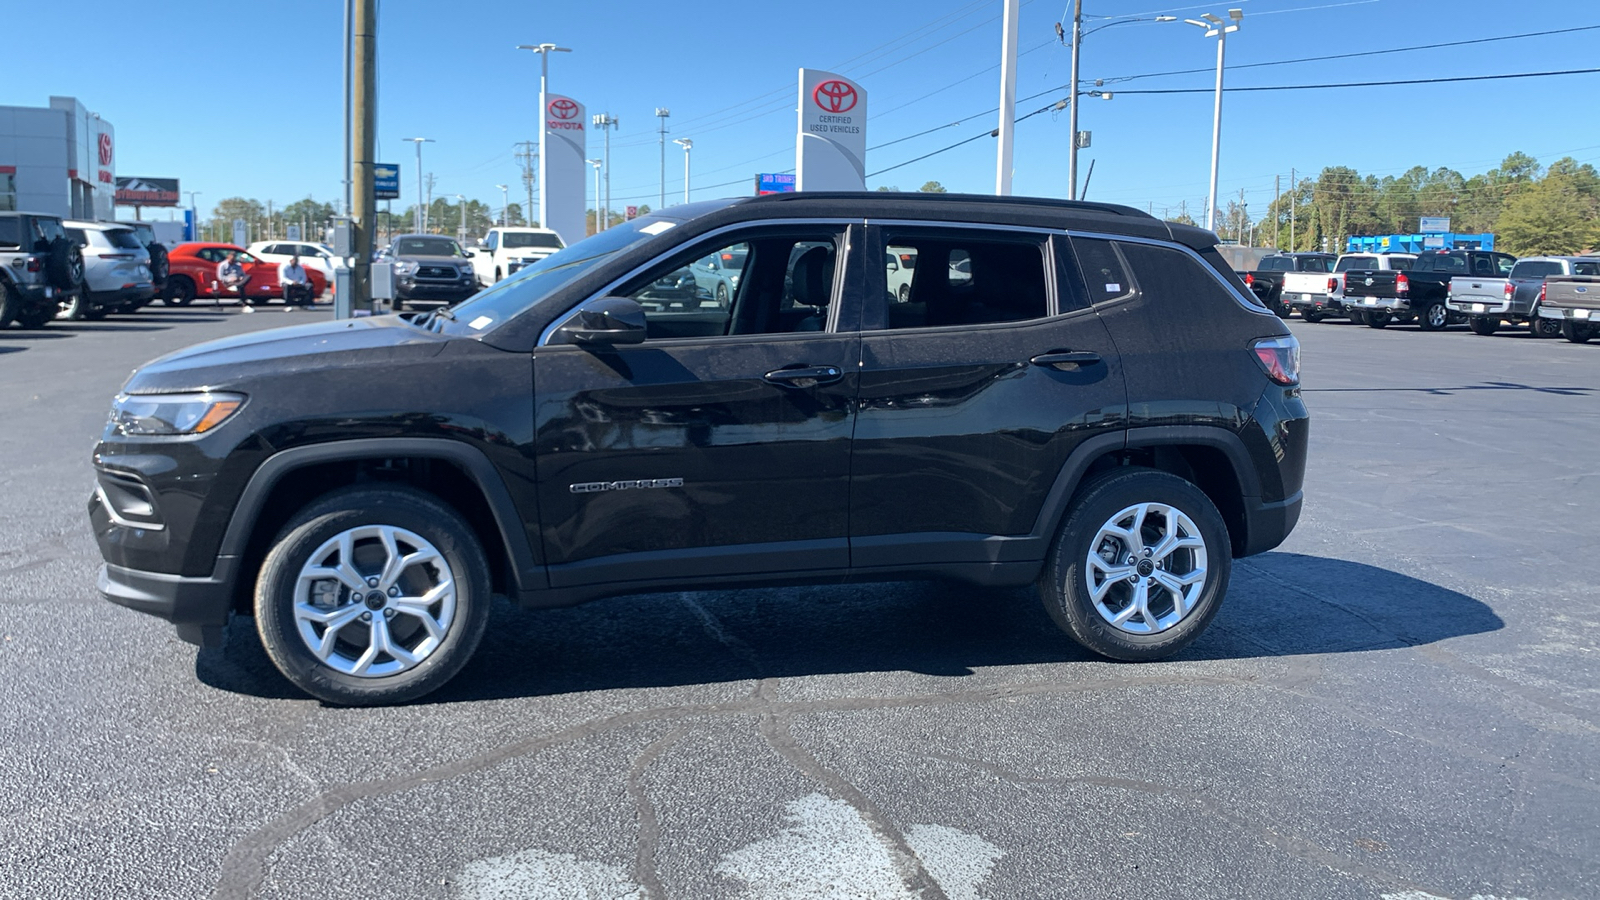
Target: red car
{"points": [[192, 272]]}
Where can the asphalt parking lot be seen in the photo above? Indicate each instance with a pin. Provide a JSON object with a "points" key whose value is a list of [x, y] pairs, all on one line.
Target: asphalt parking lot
{"points": [[1401, 702]]}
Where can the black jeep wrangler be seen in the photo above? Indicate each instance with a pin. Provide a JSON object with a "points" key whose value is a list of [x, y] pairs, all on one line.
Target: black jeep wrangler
{"points": [[1070, 394], [40, 267]]}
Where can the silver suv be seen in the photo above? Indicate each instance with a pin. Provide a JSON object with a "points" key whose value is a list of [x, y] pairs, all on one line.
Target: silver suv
{"points": [[40, 266]]}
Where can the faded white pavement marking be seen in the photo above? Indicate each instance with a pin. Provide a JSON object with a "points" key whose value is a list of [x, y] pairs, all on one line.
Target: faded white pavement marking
{"points": [[1424, 895], [535, 874]]}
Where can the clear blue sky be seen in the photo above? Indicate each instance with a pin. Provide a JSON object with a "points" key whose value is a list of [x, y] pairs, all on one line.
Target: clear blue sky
{"points": [[202, 90]]}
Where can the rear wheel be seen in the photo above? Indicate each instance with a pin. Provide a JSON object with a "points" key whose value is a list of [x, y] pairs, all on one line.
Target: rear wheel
{"points": [[1576, 332], [1139, 567], [1312, 315], [1483, 325], [1376, 319], [34, 317], [1540, 327], [373, 596], [1434, 317], [10, 303]]}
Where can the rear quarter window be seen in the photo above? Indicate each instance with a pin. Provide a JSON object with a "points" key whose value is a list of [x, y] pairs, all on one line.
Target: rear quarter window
{"points": [[10, 231], [1168, 277]]}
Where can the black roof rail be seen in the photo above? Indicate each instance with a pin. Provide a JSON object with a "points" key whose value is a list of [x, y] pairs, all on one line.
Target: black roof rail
{"points": [[921, 197]]}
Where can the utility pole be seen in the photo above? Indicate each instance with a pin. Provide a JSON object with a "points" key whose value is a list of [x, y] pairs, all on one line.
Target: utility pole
{"points": [[527, 156], [505, 201], [597, 211], [348, 28], [605, 122], [1008, 97], [419, 214], [1244, 215], [1294, 198], [1275, 210], [366, 127], [687, 144], [661, 114], [427, 209], [1072, 116]]}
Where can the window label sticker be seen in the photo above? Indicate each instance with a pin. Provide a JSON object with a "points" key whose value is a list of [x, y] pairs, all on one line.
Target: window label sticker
{"points": [[480, 323], [656, 227], [1113, 288]]}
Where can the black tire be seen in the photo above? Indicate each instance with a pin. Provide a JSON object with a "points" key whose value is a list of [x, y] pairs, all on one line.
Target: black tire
{"points": [[1064, 583], [1483, 325], [722, 295], [1376, 319], [159, 268], [1313, 316], [63, 266], [35, 317], [1357, 317], [497, 275], [1433, 317], [1540, 327], [905, 293], [1576, 332], [309, 531], [10, 303], [180, 291]]}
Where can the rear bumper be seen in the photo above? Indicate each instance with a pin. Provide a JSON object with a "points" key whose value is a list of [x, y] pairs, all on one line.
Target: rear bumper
{"points": [[123, 296], [198, 606], [1570, 314], [1387, 304], [1270, 523], [1467, 306]]}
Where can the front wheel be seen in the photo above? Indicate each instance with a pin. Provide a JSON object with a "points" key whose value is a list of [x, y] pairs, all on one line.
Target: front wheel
{"points": [[180, 291], [1434, 317], [722, 296], [373, 596], [1139, 567], [1576, 332], [1483, 325]]}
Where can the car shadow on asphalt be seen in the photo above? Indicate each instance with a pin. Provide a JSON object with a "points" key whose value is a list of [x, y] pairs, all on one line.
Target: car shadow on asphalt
{"points": [[1279, 604], [32, 334]]}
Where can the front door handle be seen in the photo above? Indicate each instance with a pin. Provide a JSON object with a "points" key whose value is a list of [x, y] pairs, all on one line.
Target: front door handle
{"points": [[1066, 360], [804, 376]]}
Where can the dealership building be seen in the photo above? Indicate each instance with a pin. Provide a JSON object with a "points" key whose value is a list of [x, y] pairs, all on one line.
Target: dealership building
{"points": [[59, 160]]}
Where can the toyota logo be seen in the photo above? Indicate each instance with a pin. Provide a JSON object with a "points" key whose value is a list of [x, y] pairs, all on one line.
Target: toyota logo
{"points": [[835, 96], [105, 149], [563, 108]]}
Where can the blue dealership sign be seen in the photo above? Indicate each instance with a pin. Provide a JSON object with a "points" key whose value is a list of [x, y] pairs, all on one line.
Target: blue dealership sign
{"points": [[385, 181], [774, 184]]}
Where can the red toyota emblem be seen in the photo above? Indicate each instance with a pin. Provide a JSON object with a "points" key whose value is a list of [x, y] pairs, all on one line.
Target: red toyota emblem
{"points": [[562, 108], [835, 96], [105, 149]]}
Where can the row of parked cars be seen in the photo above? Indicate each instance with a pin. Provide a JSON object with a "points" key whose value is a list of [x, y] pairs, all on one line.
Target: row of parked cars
{"points": [[1551, 295]]}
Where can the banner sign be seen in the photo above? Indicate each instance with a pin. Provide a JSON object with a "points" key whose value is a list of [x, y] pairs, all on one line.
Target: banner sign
{"points": [[563, 149], [831, 147], [385, 181], [147, 192], [1435, 225], [774, 184]]}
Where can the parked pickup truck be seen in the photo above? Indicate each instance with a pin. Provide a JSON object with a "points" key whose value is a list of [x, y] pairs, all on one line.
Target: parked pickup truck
{"points": [[1573, 301], [1361, 261], [1516, 298], [1419, 293], [1266, 280]]}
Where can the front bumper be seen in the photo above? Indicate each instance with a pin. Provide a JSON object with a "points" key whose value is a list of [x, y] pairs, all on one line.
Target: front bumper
{"points": [[450, 291], [199, 607]]}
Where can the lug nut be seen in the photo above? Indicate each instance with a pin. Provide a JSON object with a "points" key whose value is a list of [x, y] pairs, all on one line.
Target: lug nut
{"points": [[372, 582], [388, 614], [394, 591], [366, 617]]}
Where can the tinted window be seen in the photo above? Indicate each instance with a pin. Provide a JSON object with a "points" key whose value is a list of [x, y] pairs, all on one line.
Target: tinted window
{"points": [[10, 231], [1586, 268], [123, 238], [1401, 263], [1102, 269], [1347, 263], [426, 246], [517, 240], [1277, 264], [1454, 265], [963, 279], [1534, 268], [1311, 264], [1503, 264], [1172, 277], [77, 236]]}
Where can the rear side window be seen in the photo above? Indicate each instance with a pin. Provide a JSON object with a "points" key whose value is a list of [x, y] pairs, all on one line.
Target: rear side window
{"points": [[1171, 277], [1400, 263], [960, 278], [1104, 275], [123, 238], [1535, 268], [1586, 268], [1356, 262], [77, 236], [10, 232]]}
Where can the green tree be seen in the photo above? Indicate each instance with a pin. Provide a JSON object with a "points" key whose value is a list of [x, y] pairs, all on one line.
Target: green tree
{"points": [[933, 187], [1548, 217], [885, 187]]}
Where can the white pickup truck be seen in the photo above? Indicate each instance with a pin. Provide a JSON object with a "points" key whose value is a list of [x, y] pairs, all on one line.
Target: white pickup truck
{"points": [[1487, 301], [503, 251]]}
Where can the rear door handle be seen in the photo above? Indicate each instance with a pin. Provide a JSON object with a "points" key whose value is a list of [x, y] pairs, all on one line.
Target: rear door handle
{"points": [[1066, 360], [804, 376]]}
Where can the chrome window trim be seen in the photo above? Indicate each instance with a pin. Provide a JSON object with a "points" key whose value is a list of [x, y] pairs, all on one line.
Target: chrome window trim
{"points": [[838, 274], [1172, 245]]}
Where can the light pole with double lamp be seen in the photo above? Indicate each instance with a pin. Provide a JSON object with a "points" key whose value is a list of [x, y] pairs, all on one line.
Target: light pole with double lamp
{"points": [[599, 213], [1078, 34], [544, 51], [505, 202], [1215, 27], [418, 214], [687, 144], [462, 236]]}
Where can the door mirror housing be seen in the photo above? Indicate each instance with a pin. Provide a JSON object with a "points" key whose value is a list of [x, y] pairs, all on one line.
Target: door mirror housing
{"points": [[607, 320]]}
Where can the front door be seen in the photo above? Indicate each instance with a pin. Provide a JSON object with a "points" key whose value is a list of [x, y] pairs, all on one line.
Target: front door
{"points": [[720, 445], [978, 379]]}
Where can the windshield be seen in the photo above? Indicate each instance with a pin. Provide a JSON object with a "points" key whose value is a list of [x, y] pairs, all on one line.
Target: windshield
{"points": [[534, 284], [519, 239], [1277, 264], [427, 246]]}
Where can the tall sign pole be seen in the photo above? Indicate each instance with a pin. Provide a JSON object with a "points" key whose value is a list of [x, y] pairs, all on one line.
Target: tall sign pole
{"points": [[605, 122], [1008, 97], [365, 126], [830, 152], [544, 51], [661, 114]]}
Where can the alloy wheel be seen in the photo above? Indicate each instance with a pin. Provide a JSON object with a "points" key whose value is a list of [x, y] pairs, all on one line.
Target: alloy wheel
{"points": [[1146, 568]]}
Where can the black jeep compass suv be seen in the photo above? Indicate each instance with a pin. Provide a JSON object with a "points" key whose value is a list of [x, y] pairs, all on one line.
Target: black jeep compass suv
{"points": [[1073, 394]]}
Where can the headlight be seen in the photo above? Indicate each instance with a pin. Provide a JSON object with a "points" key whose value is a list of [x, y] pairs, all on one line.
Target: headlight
{"points": [[404, 268], [137, 414], [733, 280], [466, 272]]}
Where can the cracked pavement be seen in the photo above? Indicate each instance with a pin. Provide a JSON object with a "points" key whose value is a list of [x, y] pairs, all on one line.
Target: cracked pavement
{"points": [[1402, 701]]}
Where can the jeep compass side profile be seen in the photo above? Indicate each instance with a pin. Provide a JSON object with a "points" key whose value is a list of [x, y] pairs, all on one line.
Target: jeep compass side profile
{"points": [[1070, 394]]}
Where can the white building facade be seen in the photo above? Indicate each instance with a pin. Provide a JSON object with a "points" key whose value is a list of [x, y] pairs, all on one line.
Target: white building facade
{"points": [[59, 160]]}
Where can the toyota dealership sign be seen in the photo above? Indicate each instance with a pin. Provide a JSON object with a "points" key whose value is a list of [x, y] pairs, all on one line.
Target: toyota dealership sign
{"points": [[562, 150], [831, 148]]}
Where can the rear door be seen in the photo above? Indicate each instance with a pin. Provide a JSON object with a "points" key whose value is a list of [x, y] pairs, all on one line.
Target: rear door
{"points": [[720, 445], [975, 387]]}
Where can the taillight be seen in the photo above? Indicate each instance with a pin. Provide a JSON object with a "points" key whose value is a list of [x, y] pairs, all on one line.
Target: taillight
{"points": [[1279, 357], [1541, 293], [1402, 284], [1249, 279], [35, 264], [1509, 290], [1333, 285]]}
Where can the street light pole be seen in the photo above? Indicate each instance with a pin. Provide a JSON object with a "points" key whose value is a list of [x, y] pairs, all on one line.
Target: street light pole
{"points": [[505, 201], [687, 144], [544, 51], [661, 113], [605, 122], [1008, 97], [417, 211], [194, 213], [597, 211], [1215, 27]]}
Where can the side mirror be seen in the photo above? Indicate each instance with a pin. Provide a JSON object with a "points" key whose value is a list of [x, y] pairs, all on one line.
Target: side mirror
{"points": [[607, 320]]}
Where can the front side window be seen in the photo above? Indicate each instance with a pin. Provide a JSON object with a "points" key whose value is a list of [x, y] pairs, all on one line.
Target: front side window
{"points": [[1586, 267], [492, 241], [1503, 264], [774, 283], [963, 278]]}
